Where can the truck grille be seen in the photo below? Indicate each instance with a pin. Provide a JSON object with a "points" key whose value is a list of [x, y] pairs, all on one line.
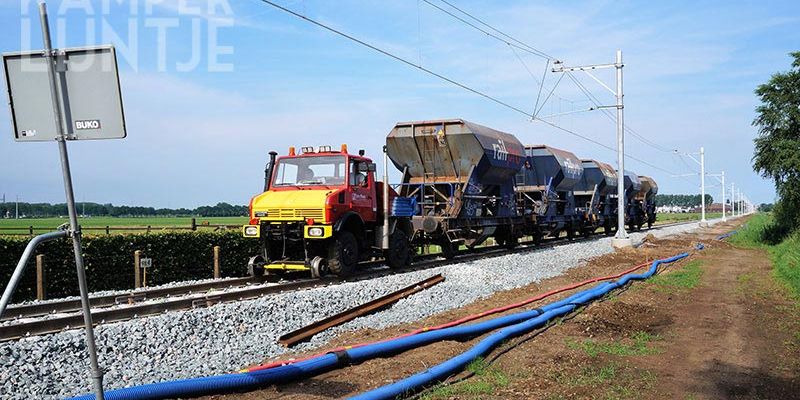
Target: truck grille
{"points": [[295, 213]]}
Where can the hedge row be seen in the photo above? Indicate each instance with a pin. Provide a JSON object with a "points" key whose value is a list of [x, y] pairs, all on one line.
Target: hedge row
{"points": [[177, 256]]}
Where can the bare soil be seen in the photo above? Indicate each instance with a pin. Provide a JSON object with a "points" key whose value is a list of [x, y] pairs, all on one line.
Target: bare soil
{"points": [[733, 334]]}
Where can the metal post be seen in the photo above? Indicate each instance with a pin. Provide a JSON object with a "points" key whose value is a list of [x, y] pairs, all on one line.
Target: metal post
{"points": [[723, 197], [733, 202], [75, 230], [621, 239], [741, 209], [16, 276], [385, 241], [703, 187]]}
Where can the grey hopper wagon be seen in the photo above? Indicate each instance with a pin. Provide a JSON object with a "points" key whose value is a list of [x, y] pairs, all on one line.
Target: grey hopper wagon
{"points": [[461, 175], [549, 168], [633, 185], [649, 189], [545, 188], [454, 151], [597, 174]]}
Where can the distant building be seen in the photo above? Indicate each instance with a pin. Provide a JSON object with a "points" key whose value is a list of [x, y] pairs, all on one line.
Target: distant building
{"points": [[672, 209]]}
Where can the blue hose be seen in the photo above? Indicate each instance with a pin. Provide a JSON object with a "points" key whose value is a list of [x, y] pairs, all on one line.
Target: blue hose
{"points": [[515, 324], [459, 362]]}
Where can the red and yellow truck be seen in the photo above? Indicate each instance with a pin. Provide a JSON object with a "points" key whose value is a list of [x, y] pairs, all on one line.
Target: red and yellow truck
{"points": [[323, 210]]}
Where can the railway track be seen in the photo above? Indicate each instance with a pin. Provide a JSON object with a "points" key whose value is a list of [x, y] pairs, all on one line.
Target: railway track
{"points": [[56, 316]]}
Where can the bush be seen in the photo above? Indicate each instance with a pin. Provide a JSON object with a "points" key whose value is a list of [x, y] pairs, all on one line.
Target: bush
{"points": [[177, 256]]}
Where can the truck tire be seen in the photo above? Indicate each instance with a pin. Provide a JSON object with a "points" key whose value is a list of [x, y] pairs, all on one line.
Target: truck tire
{"points": [[343, 255], [399, 254]]}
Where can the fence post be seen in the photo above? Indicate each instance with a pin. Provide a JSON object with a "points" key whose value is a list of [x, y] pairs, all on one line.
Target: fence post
{"points": [[30, 230], [108, 231], [41, 282], [194, 224], [137, 280], [148, 228], [216, 262]]}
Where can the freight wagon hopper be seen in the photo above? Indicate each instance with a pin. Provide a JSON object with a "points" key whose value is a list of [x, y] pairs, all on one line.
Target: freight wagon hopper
{"points": [[647, 197], [634, 213], [461, 177], [593, 196], [544, 191]]}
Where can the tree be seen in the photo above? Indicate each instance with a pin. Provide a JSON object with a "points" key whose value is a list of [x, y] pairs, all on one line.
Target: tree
{"points": [[777, 147]]}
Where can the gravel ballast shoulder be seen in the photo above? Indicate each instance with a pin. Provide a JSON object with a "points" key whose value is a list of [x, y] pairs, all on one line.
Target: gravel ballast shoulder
{"points": [[225, 337]]}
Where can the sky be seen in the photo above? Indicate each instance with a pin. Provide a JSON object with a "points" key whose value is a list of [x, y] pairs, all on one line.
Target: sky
{"points": [[211, 86]]}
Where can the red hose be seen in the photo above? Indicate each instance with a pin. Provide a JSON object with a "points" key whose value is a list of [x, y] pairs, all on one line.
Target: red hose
{"points": [[458, 321]]}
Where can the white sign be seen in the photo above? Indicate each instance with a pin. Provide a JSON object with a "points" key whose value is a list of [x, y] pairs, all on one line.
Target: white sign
{"points": [[87, 85], [145, 263]]}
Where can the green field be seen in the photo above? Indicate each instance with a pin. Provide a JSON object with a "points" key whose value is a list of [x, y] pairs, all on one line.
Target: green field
{"points": [[41, 225], [680, 217]]}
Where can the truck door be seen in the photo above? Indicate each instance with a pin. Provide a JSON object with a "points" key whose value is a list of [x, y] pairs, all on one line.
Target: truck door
{"points": [[362, 190]]}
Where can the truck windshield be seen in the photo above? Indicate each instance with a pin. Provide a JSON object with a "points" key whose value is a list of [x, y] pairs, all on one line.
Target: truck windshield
{"points": [[299, 171]]}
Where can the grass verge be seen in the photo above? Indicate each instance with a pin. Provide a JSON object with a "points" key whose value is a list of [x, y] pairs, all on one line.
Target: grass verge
{"points": [[785, 256], [684, 278], [637, 345], [486, 381]]}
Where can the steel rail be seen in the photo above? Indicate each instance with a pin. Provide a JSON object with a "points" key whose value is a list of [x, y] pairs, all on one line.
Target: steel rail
{"points": [[135, 296], [12, 331], [308, 331]]}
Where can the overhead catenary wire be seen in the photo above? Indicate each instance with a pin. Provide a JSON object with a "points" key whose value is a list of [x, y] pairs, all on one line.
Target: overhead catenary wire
{"points": [[524, 47], [612, 117], [538, 107], [542, 53], [450, 80], [513, 46]]}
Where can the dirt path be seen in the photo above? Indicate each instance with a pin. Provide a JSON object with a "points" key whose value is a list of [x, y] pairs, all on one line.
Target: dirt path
{"points": [[716, 326]]}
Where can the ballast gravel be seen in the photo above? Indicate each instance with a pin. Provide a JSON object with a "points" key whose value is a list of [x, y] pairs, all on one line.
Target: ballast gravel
{"points": [[226, 337]]}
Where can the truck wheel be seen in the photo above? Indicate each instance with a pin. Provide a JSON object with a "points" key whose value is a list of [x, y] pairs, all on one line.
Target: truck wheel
{"points": [[255, 266], [399, 254], [343, 255]]}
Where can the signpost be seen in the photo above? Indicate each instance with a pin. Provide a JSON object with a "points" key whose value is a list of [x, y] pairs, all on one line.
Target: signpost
{"points": [[87, 84], [60, 95], [144, 264]]}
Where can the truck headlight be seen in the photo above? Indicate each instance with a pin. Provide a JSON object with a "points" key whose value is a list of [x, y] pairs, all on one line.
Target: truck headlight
{"points": [[316, 232], [251, 231]]}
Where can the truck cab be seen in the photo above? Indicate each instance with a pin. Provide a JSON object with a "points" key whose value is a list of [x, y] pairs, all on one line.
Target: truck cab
{"points": [[318, 211]]}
